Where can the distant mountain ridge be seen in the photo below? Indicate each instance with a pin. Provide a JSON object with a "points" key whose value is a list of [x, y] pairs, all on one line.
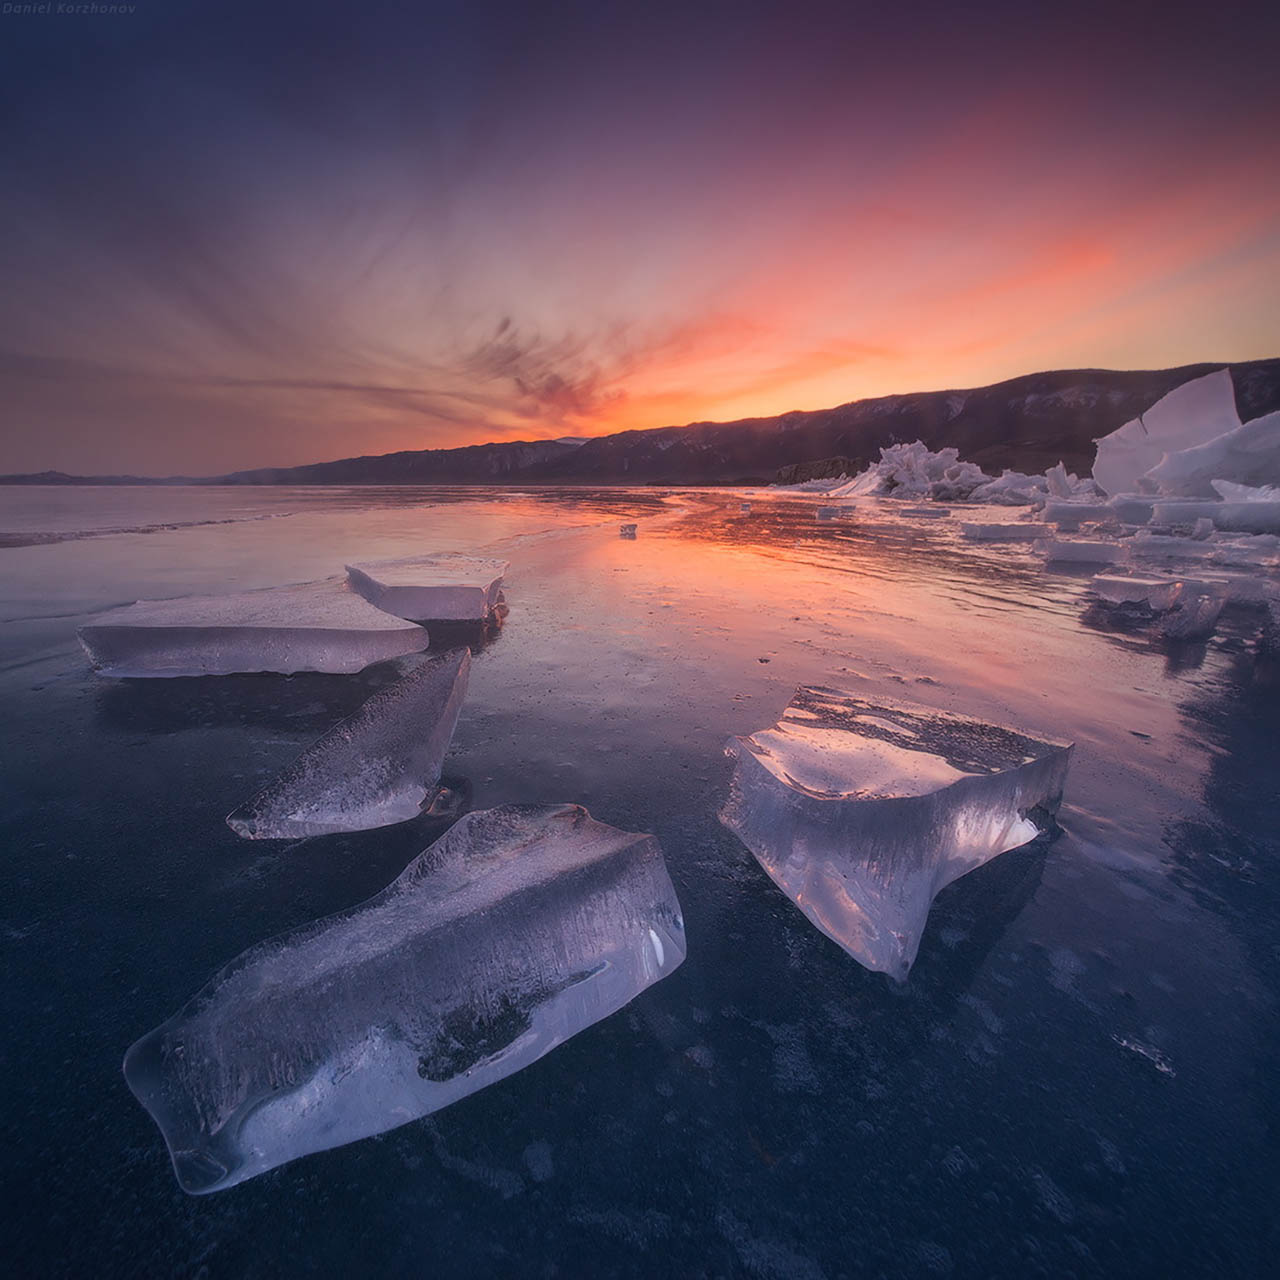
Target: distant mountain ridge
{"points": [[1027, 423]]}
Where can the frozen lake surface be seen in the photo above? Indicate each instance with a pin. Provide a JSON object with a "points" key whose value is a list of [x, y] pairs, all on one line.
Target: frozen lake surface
{"points": [[1079, 1077]]}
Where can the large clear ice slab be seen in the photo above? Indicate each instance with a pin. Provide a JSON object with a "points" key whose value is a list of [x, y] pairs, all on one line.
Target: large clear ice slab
{"points": [[1190, 415], [441, 588], [518, 928], [377, 767], [313, 626], [862, 809]]}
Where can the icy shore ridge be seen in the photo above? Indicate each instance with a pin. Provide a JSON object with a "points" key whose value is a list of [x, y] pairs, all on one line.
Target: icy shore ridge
{"points": [[1189, 444], [518, 928], [861, 811], [377, 767], [314, 626]]}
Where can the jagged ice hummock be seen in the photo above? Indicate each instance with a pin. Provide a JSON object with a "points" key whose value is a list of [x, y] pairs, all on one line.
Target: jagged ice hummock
{"points": [[517, 929], [377, 767], [862, 809], [312, 626]]}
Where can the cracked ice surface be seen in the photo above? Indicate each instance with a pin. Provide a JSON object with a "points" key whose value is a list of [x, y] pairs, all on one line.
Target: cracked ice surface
{"points": [[861, 811], [377, 767], [518, 928], [312, 626], [444, 588]]}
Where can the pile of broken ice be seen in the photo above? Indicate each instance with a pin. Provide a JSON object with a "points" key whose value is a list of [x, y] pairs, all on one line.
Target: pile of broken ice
{"points": [[1186, 483]]}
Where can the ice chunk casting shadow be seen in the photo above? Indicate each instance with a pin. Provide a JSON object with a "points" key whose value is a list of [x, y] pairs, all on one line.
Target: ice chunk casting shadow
{"points": [[862, 810], [518, 928]]}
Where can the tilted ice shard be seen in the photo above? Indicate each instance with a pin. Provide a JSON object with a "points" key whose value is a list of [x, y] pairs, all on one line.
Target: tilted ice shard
{"points": [[517, 929], [1247, 455], [314, 626], [441, 588], [1189, 415], [862, 809], [377, 767]]}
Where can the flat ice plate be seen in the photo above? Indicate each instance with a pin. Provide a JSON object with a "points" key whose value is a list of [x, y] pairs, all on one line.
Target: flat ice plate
{"points": [[443, 588], [434, 571], [311, 626]]}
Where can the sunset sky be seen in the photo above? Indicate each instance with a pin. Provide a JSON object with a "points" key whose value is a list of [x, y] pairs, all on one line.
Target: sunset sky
{"points": [[237, 235]]}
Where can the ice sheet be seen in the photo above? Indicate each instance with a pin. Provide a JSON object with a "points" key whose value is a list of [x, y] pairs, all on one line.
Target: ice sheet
{"points": [[443, 588], [376, 768], [517, 929], [314, 626], [862, 810]]}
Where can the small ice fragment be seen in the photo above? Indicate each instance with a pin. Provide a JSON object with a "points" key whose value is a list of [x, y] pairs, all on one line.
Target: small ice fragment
{"points": [[827, 513], [1070, 551], [1001, 532], [1132, 508], [1193, 618], [378, 767], [313, 626], [1156, 594], [1202, 529], [1058, 483], [626, 531], [518, 928], [745, 508], [933, 512], [862, 810], [440, 588]]}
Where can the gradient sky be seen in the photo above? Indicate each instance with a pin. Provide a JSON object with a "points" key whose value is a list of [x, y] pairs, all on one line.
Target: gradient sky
{"points": [[237, 235]]}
